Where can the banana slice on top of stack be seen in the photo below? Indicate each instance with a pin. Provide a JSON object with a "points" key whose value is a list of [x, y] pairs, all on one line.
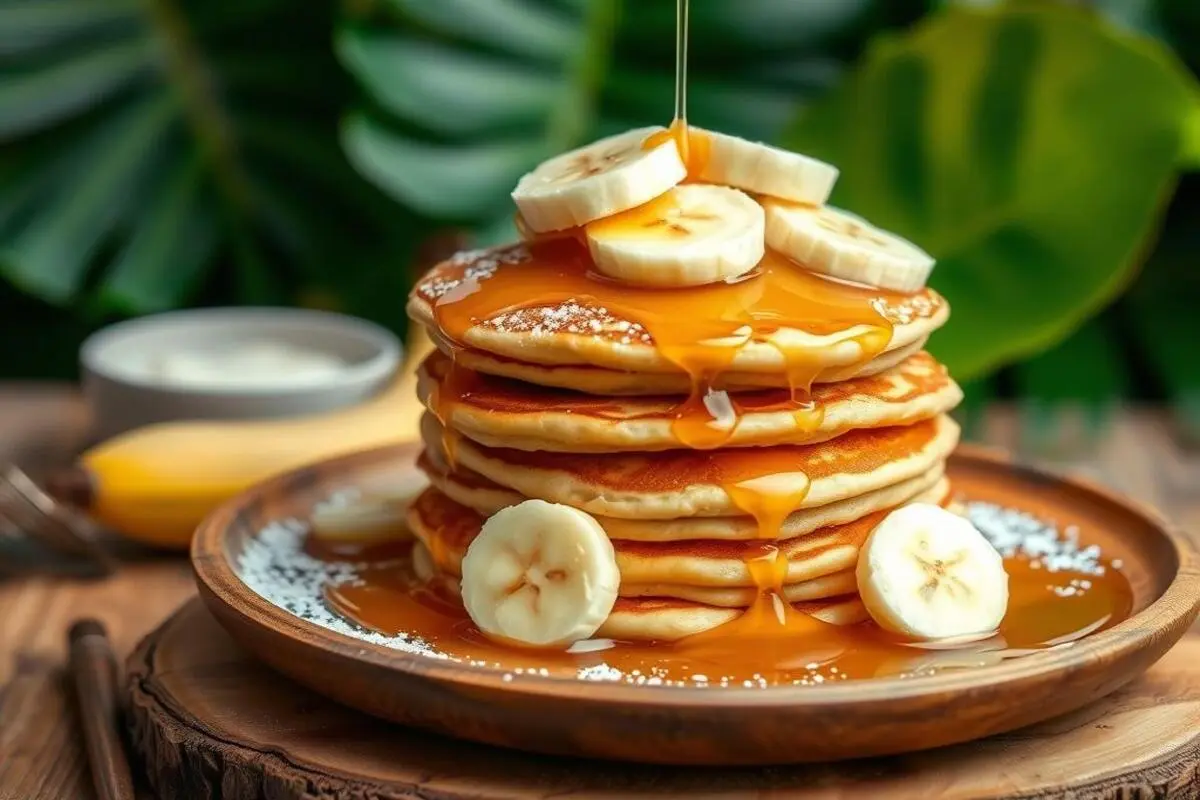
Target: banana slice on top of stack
{"points": [[598, 180], [693, 234], [649, 222]]}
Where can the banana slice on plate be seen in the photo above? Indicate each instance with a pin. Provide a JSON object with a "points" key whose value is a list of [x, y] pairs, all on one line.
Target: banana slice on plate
{"points": [[693, 234], [540, 574], [843, 245], [601, 179], [762, 169], [927, 573], [373, 517]]}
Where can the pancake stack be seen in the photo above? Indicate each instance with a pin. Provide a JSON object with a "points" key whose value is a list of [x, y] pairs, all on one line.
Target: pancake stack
{"points": [[806, 480], [737, 441]]}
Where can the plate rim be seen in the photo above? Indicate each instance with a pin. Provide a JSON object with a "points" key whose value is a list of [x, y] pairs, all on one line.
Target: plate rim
{"points": [[1168, 615]]}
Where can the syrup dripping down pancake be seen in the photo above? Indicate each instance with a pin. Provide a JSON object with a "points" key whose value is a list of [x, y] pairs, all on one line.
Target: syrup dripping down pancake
{"points": [[447, 529], [762, 482], [503, 413], [619, 383], [667, 619], [486, 497], [544, 305]]}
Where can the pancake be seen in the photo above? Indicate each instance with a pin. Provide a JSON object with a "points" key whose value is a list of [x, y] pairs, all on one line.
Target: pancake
{"points": [[485, 300], [651, 618], [503, 413], [486, 497], [619, 383], [447, 529], [711, 483], [835, 585], [667, 619]]}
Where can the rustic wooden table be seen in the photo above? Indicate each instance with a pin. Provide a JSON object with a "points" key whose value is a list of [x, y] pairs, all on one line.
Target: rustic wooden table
{"points": [[41, 752]]}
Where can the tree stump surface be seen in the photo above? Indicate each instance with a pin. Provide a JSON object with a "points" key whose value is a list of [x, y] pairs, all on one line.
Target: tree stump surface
{"points": [[206, 720]]}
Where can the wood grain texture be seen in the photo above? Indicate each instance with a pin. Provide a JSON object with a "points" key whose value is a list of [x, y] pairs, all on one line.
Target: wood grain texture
{"points": [[786, 724], [212, 722], [94, 670], [41, 752]]}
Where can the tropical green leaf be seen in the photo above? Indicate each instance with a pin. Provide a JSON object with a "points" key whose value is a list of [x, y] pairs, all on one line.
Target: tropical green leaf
{"points": [[171, 242], [50, 255], [1031, 150], [1138, 15], [30, 25], [150, 149], [748, 26], [515, 26], [1191, 147], [42, 96], [479, 93], [463, 96], [437, 179]]}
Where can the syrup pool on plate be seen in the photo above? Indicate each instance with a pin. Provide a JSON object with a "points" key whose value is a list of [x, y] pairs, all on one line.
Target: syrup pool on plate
{"points": [[1060, 591]]}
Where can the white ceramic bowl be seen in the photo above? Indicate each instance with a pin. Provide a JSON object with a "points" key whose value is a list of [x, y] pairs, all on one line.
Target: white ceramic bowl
{"points": [[124, 394]]}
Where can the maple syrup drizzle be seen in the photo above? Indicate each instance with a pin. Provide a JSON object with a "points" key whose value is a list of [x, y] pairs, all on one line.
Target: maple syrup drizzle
{"points": [[701, 330], [681, 60], [1045, 609], [443, 396]]}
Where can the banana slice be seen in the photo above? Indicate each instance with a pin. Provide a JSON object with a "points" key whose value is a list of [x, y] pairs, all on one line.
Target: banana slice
{"points": [[601, 179], [373, 517], [840, 244], [540, 574], [762, 169], [927, 573], [693, 234]]}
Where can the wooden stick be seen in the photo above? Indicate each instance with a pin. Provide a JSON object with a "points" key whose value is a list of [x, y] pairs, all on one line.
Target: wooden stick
{"points": [[94, 672]]}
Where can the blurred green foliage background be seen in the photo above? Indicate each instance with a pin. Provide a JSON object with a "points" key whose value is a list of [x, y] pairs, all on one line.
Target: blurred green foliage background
{"points": [[164, 153]]}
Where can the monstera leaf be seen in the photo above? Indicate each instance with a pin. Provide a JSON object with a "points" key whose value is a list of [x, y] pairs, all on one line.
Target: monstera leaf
{"points": [[466, 95], [148, 146], [1031, 149], [1191, 154]]}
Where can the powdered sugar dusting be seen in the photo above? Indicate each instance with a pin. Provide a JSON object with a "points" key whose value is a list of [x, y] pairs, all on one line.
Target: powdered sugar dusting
{"points": [[275, 566], [1014, 532], [572, 317], [914, 307], [465, 271], [468, 267]]}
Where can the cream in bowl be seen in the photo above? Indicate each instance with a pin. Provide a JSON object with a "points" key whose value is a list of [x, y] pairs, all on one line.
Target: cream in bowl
{"points": [[232, 363]]}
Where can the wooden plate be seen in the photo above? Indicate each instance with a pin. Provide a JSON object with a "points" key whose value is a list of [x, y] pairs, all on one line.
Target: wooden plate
{"points": [[704, 726]]}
